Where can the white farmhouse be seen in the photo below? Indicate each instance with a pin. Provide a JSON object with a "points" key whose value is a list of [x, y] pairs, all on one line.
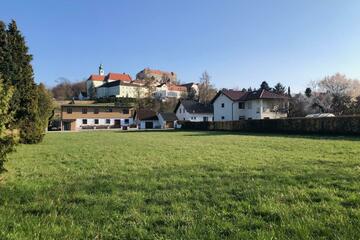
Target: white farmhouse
{"points": [[230, 105], [189, 110], [146, 119]]}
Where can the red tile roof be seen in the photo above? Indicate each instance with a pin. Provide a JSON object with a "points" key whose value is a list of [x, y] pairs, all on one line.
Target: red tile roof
{"points": [[119, 76], [173, 87], [95, 77]]}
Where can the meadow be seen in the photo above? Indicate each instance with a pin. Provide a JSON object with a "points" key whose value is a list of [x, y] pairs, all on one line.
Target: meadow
{"points": [[182, 185]]}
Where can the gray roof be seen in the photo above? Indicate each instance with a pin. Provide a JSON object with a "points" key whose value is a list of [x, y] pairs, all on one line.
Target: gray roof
{"points": [[168, 116], [192, 106]]}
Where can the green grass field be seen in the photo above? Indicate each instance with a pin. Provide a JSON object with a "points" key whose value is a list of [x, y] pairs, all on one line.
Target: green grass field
{"points": [[182, 185]]}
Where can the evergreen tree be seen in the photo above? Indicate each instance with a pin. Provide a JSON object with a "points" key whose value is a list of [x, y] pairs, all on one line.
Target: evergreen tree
{"points": [[17, 71], [308, 92], [45, 105], [279, 88], [7, 137], [264, 85]]}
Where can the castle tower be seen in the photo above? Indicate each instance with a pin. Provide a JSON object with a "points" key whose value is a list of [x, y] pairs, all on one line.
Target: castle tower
{"points": [[101, 70]]}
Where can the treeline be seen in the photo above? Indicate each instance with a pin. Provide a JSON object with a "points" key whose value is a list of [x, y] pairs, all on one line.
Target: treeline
{"points": [[66, 90], [25, 107], [335, 94]]}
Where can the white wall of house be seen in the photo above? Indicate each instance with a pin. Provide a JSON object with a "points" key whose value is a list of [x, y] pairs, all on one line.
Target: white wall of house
{"points": [[223, 108], [142, 124], [183, 115], [227, 110], [102, 121], [132, 91]]}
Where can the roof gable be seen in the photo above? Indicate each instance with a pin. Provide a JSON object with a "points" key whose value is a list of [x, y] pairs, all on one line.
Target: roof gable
{"points": [[195, 107], [239, 96], [118, 76]]}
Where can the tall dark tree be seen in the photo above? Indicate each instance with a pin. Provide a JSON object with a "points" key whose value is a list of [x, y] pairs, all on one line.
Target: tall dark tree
{"points": [[17, 71], [279, 88], [264, 85], [45, 105], [308, 92], [7, 138]]}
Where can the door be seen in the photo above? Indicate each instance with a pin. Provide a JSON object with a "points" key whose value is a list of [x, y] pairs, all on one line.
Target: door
{"points": [[67, 126], [169, 124], [117, 123], [149, 125]]}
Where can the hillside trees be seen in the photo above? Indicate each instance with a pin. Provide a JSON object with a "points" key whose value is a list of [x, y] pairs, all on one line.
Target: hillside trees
{"points": [[66, 90]]}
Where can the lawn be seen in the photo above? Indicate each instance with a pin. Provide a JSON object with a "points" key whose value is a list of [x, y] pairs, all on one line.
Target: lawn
{"points": [[182, 185]]}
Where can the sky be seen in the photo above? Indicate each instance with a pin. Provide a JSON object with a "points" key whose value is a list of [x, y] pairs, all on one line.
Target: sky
{"points": [[240, 43]]}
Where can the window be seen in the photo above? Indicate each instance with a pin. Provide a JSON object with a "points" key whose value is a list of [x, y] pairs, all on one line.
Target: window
{"points": [[125, 111], [222, 117], [96, 121], [179, 110], [223, 105], [84, 111], [69, 110], [126, 121], [249, 105], [107, 121], [205, 119], [110, 110], [96, 111], [258, 110], [84, 121], [241, 117], [241, 105]]}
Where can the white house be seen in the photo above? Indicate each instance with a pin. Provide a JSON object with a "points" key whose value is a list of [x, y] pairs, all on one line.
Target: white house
{"points": [[189, 110], [230, 105], [146, 119], [121, 89], [167, 119], [168, 90]]}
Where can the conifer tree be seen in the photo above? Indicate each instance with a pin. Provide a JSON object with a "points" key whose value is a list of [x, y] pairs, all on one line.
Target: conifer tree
{"points": [[7, 139], [18, 72]]}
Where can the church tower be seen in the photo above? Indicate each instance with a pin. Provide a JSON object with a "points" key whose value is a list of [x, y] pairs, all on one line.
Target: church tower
{"points": [[101, 70]]}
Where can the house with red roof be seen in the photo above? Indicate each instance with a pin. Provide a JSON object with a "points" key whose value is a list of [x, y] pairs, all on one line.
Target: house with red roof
{"points": [[231, 105], [170, 90], [113, 84]]}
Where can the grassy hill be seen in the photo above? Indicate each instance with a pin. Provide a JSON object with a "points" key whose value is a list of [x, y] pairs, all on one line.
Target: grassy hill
{"points": [[182, 185]]}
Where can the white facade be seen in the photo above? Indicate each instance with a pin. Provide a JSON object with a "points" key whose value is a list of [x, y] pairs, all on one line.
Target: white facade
{"points": [[155, 124], [122, 90], [91, 122], [184, 115], [163, 92], [227, 110]]}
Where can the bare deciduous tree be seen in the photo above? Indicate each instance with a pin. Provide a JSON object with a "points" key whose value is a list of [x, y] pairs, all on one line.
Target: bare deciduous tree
{"points": [[206, 90]]}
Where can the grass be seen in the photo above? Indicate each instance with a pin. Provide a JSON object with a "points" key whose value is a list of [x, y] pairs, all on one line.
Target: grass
{"points": [[182, 185]]}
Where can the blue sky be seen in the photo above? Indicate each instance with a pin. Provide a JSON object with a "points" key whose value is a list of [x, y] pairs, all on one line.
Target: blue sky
{"points": [[239, 42]]}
